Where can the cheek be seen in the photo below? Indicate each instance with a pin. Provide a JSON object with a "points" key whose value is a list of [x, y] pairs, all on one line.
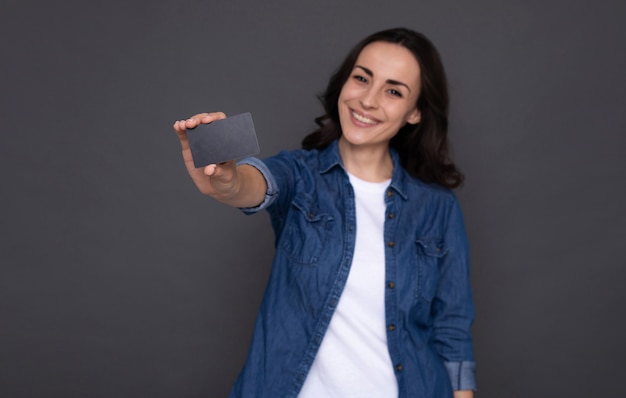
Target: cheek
{"points": [[342, 95], [345, 98], [341, 106], [348, 91]]}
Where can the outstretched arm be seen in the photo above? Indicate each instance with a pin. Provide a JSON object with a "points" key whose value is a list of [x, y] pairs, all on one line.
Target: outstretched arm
{"points": [[237, 186]]}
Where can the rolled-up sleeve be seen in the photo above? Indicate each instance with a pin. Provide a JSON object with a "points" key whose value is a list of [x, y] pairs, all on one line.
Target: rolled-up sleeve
{"points": [[272, 187], [453, 308], [462, 375]]}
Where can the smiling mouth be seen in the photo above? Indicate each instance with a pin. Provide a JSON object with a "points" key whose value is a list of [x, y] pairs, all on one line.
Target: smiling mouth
{"points": [[363, 119]]}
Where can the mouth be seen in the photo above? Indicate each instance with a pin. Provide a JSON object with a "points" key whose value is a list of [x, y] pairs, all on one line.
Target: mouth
{"points": [[362, 119]]}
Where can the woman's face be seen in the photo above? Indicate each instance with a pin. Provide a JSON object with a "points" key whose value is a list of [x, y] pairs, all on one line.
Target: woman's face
{"points": [[380, 96]]}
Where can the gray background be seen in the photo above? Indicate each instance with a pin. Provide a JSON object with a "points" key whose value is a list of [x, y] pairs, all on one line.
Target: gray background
{"points": [[118, 279]]}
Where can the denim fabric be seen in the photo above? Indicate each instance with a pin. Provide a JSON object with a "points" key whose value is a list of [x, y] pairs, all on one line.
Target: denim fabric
{"points": [[428, 302]]}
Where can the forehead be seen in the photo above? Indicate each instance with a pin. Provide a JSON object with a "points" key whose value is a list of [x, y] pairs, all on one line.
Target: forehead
{"points": [[390, 61]]}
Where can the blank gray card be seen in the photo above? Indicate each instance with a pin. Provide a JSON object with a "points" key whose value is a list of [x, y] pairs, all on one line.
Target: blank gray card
{"points": [[223, 140]]}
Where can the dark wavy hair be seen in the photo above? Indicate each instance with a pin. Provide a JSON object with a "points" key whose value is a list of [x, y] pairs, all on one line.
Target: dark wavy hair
{"points": [[423, 147]]}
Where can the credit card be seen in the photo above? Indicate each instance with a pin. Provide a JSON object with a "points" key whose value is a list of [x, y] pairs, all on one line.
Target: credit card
{"points": [[223, 140]]}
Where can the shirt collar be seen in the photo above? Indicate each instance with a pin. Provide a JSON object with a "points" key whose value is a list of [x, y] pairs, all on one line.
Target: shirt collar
{"points": [[330, 158]]}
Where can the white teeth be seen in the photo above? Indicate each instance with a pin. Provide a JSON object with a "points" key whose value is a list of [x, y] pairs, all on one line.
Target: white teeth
{"points": [[363, 119]]}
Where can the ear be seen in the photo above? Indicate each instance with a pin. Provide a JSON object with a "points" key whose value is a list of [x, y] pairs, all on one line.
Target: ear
{"points": [[414, 117]]}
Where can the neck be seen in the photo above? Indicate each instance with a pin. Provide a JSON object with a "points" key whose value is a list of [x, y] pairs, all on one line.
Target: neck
{"points": [[369, 163]]}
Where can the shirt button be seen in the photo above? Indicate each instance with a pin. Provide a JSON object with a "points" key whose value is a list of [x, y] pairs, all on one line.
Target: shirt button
{"points": [[391, 243], [392, 327], [391, 215], [310, 216], [399, 367], [391, 285], [389, 193]]}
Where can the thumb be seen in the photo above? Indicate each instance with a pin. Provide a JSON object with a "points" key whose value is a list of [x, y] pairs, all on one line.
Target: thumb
{"points": [[210, 170]]}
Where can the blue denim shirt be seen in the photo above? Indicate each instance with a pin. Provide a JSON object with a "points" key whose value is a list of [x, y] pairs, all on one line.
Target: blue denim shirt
{"points": [[428, 302]]}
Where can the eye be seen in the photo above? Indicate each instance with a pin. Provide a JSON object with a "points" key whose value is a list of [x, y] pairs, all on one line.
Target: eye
{"points": [[359, 78], [395, 92]]}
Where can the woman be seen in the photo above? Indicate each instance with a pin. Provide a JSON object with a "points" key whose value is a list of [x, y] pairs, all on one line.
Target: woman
{"points": [[369, 293]]}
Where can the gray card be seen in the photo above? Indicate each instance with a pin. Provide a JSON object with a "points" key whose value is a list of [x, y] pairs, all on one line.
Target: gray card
{"points": [[222, 140]]}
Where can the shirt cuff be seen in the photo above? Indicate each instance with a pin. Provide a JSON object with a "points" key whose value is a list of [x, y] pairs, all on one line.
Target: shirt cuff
{"points": [[462, 375], [272, 187]]}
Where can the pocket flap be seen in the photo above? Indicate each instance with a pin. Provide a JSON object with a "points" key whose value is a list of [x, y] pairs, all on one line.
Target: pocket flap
{"points": [[309, 208], [432, 247]]}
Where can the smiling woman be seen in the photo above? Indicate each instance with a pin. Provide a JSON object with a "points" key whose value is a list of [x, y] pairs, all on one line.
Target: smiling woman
{"points": [[369, 294], [423, 147], [377, 100]]}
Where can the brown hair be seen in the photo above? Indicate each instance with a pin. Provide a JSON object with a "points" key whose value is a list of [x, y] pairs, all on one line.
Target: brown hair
{"points": [[423, 148]]}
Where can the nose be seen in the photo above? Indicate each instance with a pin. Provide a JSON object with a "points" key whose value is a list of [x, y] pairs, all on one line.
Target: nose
{"points": [[369, 99]]}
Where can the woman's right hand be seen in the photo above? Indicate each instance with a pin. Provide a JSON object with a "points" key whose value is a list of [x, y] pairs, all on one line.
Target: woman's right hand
{"points": [[242, 186], [213, 180]]}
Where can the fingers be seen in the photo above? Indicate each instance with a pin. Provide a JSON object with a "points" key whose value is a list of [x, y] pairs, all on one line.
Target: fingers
{"points": [[181, 125], [210, 117]]}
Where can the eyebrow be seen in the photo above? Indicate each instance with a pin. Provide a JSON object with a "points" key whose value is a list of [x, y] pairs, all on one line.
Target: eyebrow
{"points": [[389, 81]]}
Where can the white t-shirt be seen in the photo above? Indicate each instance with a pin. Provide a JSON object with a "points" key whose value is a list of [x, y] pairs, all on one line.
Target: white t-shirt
{"points": [[353, 360]]}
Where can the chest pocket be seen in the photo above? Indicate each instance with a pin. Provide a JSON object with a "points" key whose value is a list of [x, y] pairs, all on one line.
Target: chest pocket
{"points": [[429, 253], [306, 232]]}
